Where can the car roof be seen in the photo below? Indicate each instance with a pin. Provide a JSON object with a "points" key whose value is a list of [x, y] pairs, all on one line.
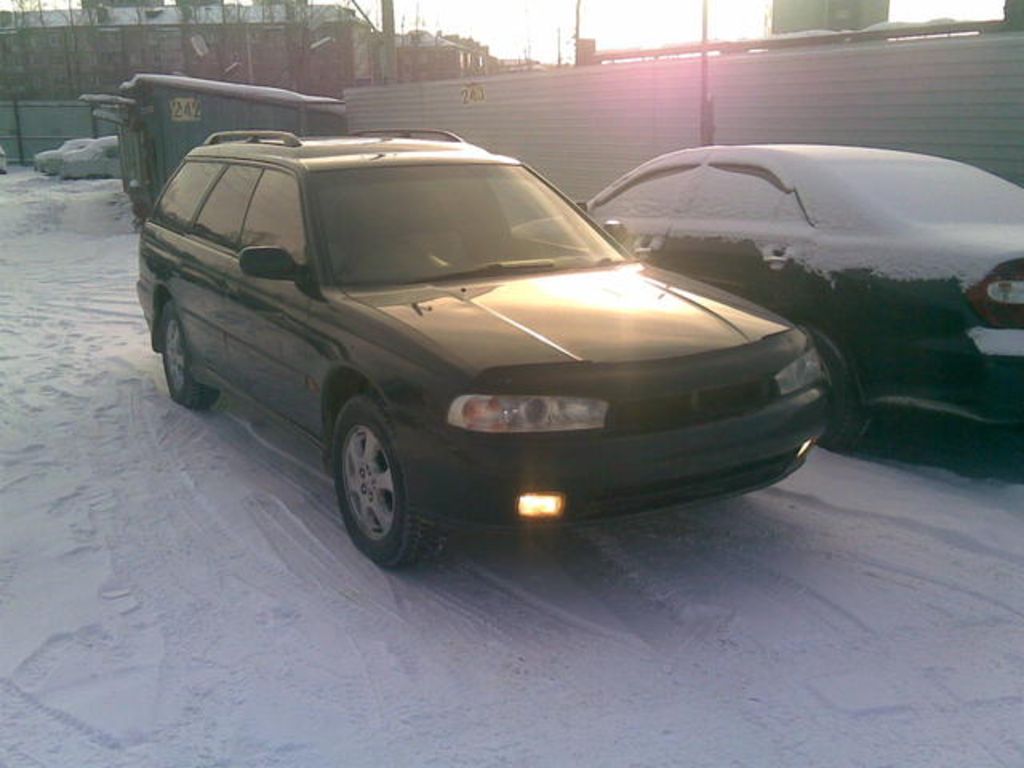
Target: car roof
{"points": [[790, 163], [813, 170], [326, 153]]}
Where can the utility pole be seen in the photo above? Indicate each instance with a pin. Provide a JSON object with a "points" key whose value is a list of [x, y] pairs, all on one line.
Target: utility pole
{"points": [[576, 36], [707, 117], [388, 63]]}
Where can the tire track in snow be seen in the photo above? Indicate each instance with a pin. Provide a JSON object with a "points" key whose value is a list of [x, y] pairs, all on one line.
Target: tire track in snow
{"points": [[952, 539], [35, 721], [219, 557]]}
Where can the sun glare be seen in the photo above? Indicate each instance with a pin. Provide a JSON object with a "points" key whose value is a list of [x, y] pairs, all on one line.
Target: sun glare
{"points": [[541, 28]]}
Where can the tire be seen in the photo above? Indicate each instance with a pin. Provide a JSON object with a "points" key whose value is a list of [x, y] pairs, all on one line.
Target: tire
{"points": [[371, 489], [177, 359], [848, 418]]}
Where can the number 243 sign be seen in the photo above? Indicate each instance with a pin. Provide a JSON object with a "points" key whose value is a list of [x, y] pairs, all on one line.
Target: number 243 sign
{"points": [[185, 109], [473, 93]]}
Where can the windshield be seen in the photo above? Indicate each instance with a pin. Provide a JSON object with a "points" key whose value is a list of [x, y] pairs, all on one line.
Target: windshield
{"points": [[936, 192], [409, 224]]}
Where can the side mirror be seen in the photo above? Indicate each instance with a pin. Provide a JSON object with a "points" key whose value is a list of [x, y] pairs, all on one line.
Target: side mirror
{"points": [[267, 262]]}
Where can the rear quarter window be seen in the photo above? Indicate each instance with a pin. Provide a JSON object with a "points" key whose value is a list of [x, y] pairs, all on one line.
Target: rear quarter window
{"points": [[184, 192]]}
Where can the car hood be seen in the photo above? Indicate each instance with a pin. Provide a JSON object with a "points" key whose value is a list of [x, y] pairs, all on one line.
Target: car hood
{"points": [[630, 313]]}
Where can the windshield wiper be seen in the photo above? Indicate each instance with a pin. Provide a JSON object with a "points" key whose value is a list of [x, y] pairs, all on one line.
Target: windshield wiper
{"points": [[495, 268]]}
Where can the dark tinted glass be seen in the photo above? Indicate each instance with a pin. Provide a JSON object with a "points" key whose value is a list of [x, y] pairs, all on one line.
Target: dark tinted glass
{"points": [[423, 223], [222, 214], [184, 193], [275, 215]]}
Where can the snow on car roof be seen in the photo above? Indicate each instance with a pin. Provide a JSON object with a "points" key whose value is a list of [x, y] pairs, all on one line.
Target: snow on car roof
{"points": [[791, 164], [230, 90]]}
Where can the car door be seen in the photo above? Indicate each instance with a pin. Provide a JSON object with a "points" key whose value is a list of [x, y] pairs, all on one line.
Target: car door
{"points": [[743, 231], [214, 239], [170, 255], [268, 347]]}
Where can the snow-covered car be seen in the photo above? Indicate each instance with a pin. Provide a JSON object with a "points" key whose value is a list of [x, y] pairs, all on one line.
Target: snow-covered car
{"points": [[907, 269], [50, 161], [101, 159]]}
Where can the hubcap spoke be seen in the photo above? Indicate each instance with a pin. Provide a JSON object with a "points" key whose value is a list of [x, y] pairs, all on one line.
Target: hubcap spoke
{"points": [[175, 352], [384, 481]]}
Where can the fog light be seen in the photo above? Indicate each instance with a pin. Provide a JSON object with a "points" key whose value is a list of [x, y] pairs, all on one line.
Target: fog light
{"points": [[804, 449], [541, 504]]}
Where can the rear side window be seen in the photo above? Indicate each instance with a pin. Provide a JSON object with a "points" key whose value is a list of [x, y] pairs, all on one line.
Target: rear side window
{"points": [[184, 193], [222, 214], [275, 215], [744, 194]]}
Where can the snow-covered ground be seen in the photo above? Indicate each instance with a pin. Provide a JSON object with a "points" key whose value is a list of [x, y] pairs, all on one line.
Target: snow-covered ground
{"points": [[177, 590]]}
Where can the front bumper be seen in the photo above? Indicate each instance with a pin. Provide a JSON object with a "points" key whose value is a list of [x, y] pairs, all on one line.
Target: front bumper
{"points": [[467, 479], [957, 375]]}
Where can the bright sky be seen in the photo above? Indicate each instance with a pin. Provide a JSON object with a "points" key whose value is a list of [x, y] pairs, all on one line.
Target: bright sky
{"points": [[514, 27]]}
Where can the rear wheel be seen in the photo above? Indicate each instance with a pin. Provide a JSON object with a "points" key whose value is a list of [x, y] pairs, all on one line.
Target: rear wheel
{"points": [[371, 491], [183, 388], [848, 418]]}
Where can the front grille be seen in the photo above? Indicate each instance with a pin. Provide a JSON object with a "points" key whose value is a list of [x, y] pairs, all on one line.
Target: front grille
{"points": [[688, 408], [748, 477]]}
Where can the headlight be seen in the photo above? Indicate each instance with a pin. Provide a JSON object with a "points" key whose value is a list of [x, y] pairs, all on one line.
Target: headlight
{"points": [[526, 413], [802, 372]]}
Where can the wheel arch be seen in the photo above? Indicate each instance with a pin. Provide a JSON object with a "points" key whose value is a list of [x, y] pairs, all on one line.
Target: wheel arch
{"points": [[160, 298], [824, 337], [341, 385]]}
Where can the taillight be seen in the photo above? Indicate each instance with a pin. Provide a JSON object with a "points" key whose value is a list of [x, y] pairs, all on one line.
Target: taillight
{"points": [[999, 298]]}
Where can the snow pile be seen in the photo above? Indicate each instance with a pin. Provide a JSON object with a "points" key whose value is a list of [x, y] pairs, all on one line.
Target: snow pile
{"points": [[176, 589]]}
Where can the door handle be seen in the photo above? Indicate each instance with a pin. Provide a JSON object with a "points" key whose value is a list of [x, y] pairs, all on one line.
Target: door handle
{"points": [[776, 256]]}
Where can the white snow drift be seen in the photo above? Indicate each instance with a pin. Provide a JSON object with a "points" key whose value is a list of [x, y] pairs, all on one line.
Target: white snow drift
{"points": [[177, 590], [81, 159]]}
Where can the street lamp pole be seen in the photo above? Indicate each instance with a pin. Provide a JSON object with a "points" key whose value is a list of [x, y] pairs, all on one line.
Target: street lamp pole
{"points": [[707, 127], [576, 35], [388, 57]]}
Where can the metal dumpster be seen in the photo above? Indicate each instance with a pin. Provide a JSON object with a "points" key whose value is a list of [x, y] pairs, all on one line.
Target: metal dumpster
{"points": [[161, 117]]}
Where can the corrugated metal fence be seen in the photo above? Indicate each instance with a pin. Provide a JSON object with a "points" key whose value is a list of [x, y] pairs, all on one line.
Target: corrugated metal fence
{"points": [[958, 97], [28, 127]]}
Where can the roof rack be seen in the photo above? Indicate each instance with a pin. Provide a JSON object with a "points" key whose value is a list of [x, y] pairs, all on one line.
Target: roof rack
{"points": [[411, 133], [255, 137]]}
